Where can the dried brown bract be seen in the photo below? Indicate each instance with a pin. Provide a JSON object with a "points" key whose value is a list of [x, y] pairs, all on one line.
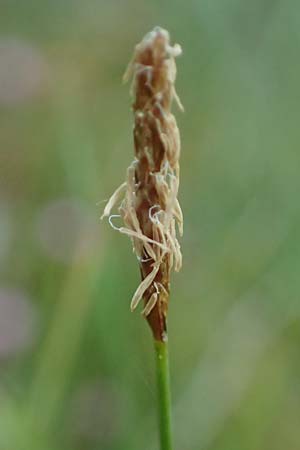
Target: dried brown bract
{"points": [[148, 199]]}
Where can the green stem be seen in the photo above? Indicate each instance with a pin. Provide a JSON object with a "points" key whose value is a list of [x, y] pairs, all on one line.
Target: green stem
{"points": [[164, 394]]}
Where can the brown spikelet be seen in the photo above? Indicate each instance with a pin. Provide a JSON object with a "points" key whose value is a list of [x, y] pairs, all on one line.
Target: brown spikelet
{"points": [[149, 207]]}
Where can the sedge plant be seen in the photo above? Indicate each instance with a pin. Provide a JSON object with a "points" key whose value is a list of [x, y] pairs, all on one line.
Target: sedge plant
{"points": [[147, 200]]}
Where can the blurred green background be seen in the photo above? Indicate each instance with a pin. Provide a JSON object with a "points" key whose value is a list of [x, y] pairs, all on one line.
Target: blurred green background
{"points": [[76, 367]]}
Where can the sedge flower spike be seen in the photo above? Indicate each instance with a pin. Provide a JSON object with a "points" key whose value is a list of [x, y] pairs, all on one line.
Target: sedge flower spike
{"points": [[148, 204]]}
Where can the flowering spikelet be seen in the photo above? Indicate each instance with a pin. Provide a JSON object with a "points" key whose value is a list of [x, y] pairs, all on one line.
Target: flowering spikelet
{"points": [[147, 200]]}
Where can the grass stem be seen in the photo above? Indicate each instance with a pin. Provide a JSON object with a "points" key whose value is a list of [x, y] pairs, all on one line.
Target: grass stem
{"points": [[164, 394]]}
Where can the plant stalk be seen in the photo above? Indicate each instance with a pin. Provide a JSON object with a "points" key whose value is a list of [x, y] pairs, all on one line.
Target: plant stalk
{"points": [[164, 394]]}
